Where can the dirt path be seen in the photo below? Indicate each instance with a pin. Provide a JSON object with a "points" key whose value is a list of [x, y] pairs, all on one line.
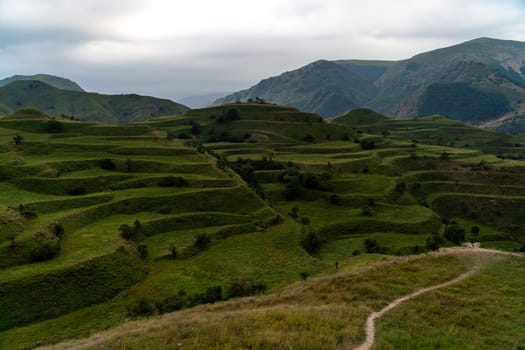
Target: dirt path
{"points": [[370, 321]]}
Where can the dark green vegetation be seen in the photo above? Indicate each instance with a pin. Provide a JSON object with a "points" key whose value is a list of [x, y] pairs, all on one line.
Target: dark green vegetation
{"points": [[59, 100], [54, 81], [230, 201], [482, 82]]}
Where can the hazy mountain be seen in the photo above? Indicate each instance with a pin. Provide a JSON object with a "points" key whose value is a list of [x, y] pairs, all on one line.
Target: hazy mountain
{"points": [[84, 105], [201, 101], [481, 82], [58, 82]]}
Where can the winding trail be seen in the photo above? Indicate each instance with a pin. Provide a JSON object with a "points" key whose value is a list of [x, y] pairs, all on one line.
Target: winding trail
{"points": [[370, 321]]}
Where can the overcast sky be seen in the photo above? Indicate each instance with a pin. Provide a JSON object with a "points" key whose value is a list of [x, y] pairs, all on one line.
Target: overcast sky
{"points": [[176, 48]]}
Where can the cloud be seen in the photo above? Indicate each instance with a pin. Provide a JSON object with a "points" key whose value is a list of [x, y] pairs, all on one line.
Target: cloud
{"points": [[174, 48]]}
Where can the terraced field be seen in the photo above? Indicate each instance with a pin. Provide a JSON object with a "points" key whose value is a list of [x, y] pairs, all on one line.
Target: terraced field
{"points": [[100, 224]]}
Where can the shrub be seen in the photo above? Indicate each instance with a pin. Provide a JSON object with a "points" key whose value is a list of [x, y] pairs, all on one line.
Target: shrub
{"points": [[244, 288], [367, 144], [173, 252], [455, 233], [312, 243], [53, 126], [17, 140], [367, 211], [58, 230], [372, 246], [304, 275], [213, 294], [434, 242], [106, 164], [142, 250], [127, 232], [202, 241], [44, 250], [77, 191], [144, 307], [172, 181], [309, 138]]}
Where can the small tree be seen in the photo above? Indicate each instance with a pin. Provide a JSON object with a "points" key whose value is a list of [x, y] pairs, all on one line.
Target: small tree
{"points": [[372, 246], [128, 233], [58, 230], [434, 242], [304, 275], [294, 213], [474, 231], [17, 140], [312, 243], [173, 252], [455, 233], [444, 155]]}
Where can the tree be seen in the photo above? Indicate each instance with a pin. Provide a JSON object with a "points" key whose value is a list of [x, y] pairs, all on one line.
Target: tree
{"points": [[304, 275], [372, 246], [455, 233], [128, 233], [312, 243], [294, 213], [434, 242], [58, 230], [173, 252], [474, 230], [444, 155], [195, 128], [17, 140]]}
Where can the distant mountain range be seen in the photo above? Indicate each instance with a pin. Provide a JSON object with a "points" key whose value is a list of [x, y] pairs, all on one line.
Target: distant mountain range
{"points": [[63, 98], [481, 82]]}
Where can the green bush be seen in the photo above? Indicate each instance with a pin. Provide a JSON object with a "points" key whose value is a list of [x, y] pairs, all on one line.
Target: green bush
{"points": [[455, 233]]}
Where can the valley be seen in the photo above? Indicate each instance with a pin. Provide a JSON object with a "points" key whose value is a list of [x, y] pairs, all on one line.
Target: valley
{"points": [[102, 225]]}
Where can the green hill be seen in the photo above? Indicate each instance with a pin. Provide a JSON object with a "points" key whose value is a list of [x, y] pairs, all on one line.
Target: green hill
{"points": [[54, 81], [481, 82], [84, 106], [104, 224]]}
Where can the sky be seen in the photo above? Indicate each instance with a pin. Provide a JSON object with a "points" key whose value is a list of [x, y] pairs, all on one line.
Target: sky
{"points": [[174, 49]]}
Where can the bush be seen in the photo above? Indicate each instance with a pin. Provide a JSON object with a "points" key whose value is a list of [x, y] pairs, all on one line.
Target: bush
{"points": [[455, 233], [106, 164], [53, 126], [243, 288], [173, 252], [304, 275], [142, 250], [144, 307], [312, 243], [202, 241], [127, 232], [77, 191], [434, 242], [172, 181], [44, 250], [373, 247], [367, 144], [213, 294]]}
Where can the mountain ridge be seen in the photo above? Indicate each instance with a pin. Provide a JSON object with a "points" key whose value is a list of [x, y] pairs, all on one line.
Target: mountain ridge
{"points": [[86, 106], [491, 69]]}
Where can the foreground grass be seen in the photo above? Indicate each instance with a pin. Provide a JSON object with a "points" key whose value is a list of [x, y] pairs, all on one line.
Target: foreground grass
{"points": [[333, 307], [468, 315]]}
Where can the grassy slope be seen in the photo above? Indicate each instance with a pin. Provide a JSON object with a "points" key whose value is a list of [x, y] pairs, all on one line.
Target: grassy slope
{"points": [[216, 202], [335, 306], [84, 106]]}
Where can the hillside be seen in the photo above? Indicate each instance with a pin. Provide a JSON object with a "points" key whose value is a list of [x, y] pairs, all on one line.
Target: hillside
{"points": [[51, 80], [83, 105], [481, 82], [161, 216], [323, 87]]}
